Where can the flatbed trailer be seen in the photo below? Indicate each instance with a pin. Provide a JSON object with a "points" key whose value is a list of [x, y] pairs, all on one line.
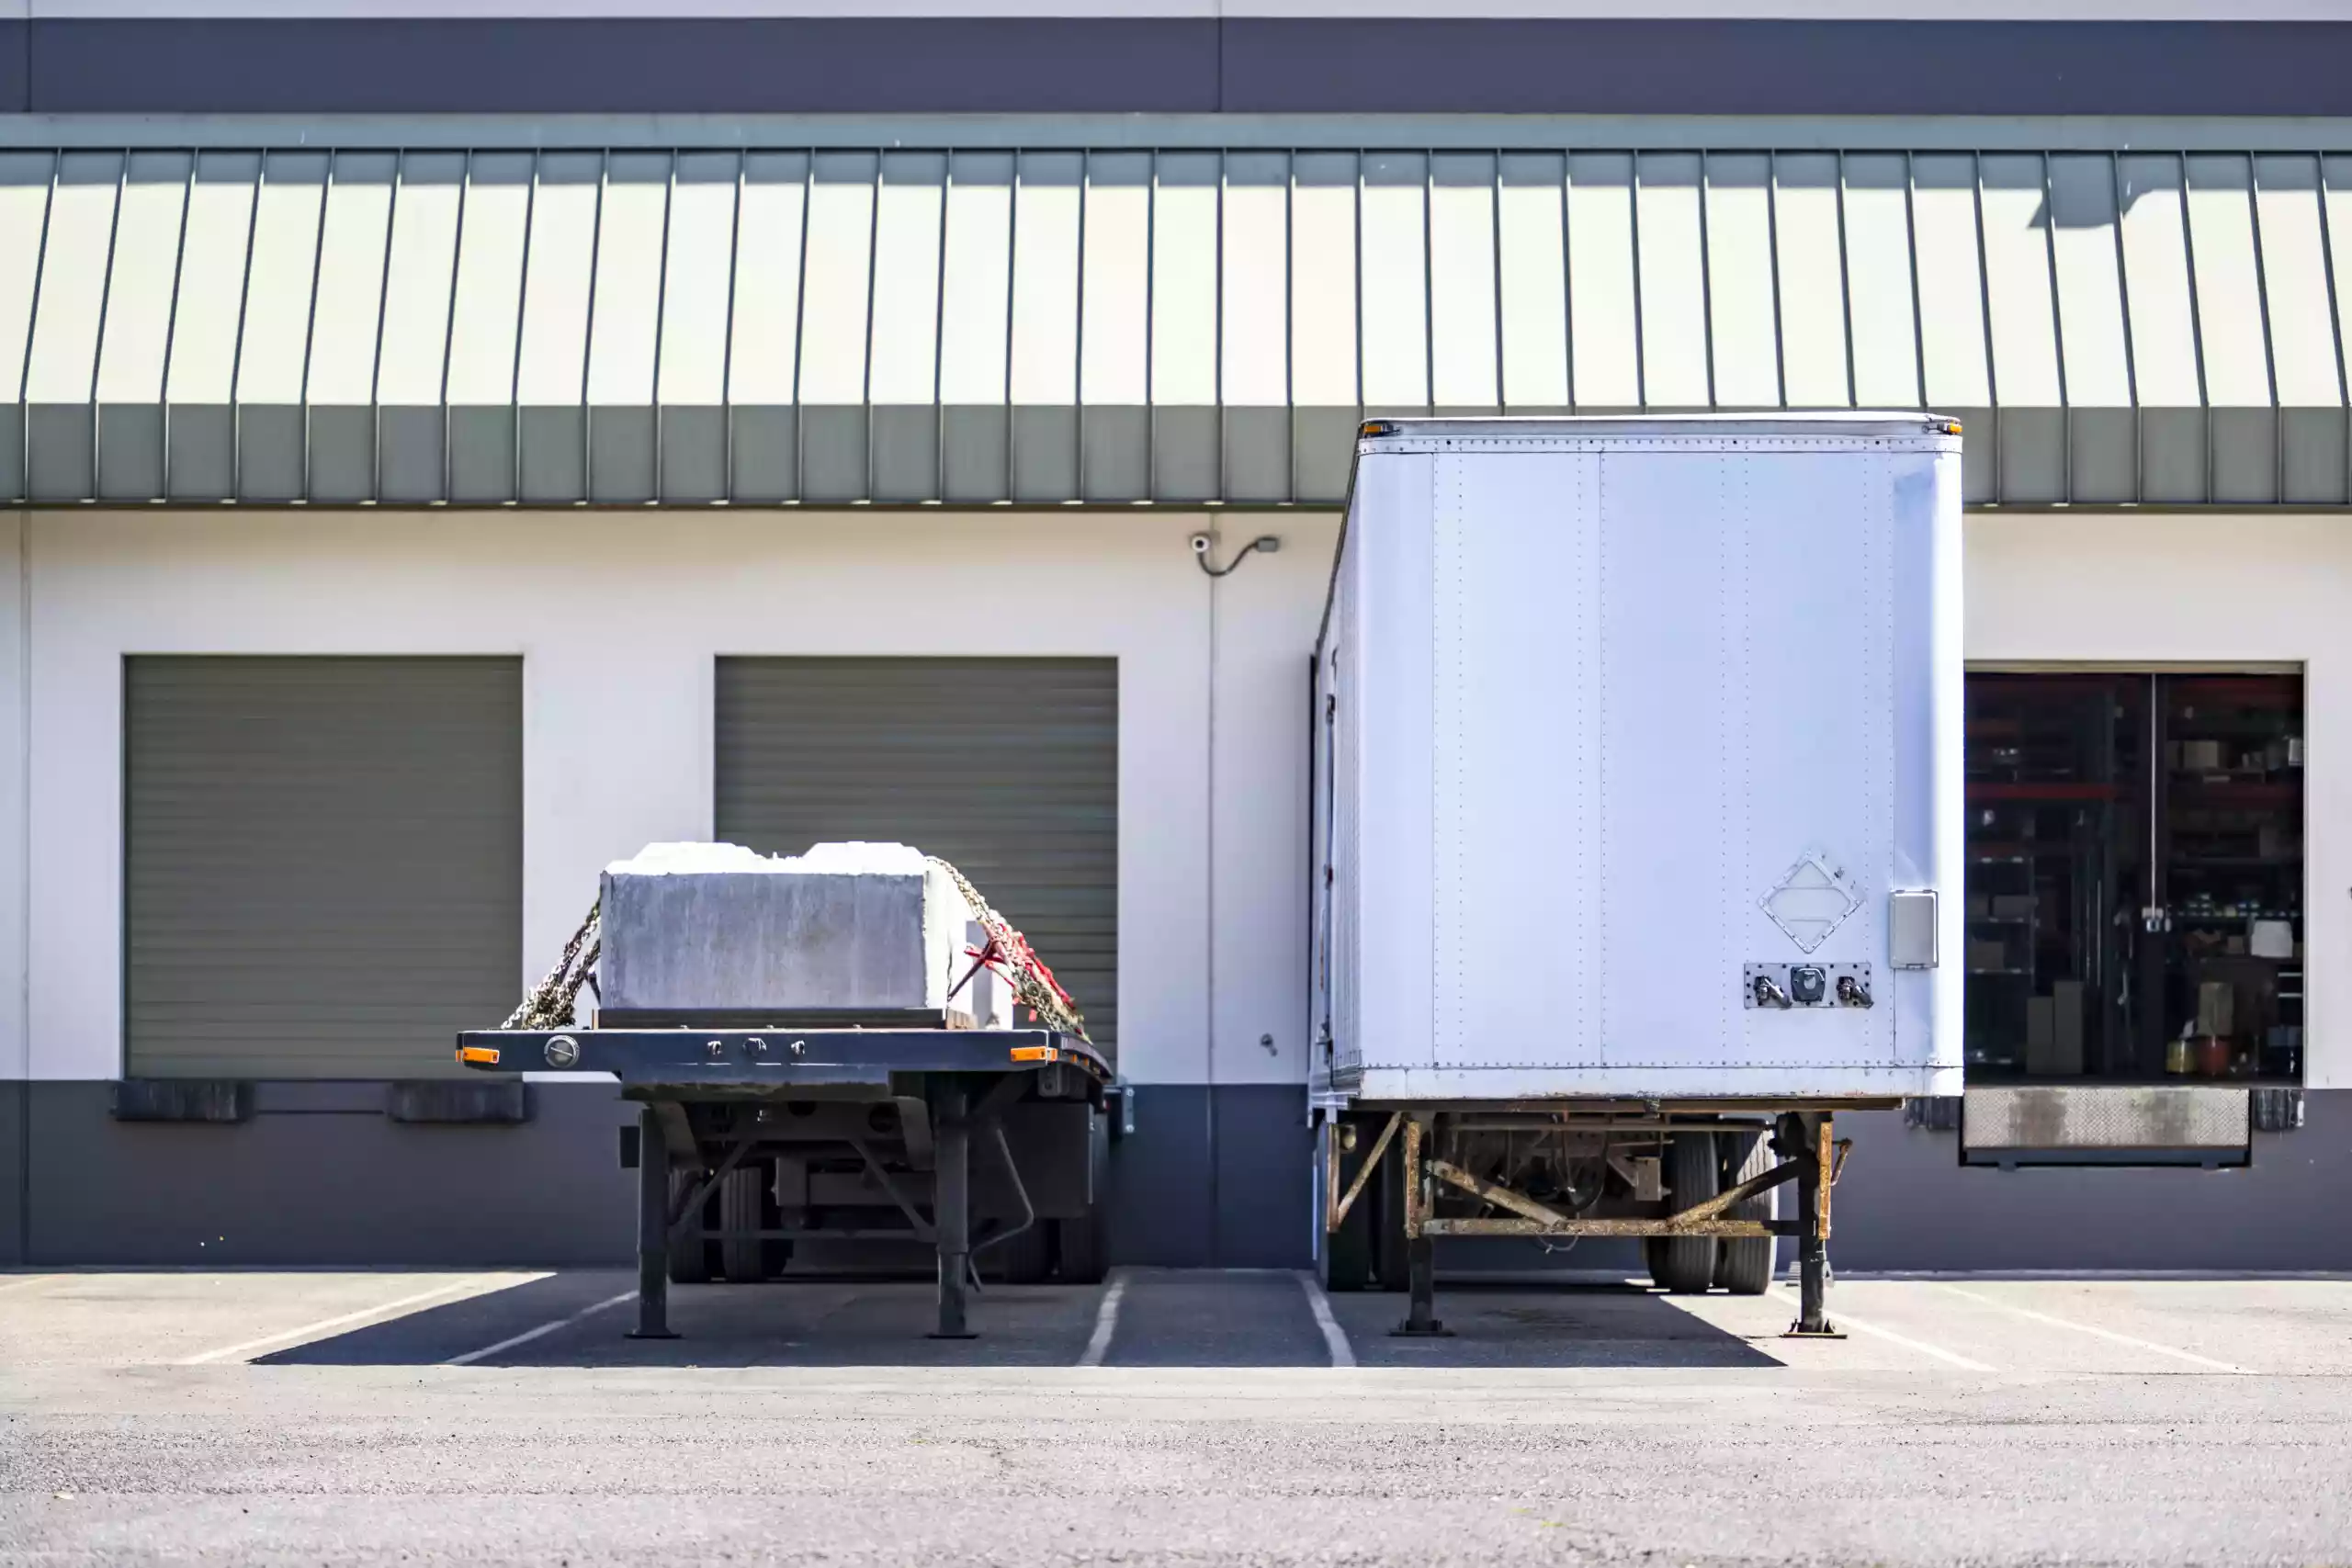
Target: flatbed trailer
{"points": [[731, 1107]]}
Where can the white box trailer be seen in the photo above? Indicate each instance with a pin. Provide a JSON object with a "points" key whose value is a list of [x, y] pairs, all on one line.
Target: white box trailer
{"points": [[1637, 826]]}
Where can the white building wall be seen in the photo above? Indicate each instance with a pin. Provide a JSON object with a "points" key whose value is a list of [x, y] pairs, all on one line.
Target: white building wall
{"points": [[619, 616]]}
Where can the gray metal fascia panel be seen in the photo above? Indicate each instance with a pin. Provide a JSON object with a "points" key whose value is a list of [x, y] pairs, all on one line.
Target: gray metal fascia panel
{"points": [[2297, 133]]}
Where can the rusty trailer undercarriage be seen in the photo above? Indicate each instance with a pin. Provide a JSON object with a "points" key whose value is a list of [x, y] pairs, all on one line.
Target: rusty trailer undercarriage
{"points": [[1696, 1184]]}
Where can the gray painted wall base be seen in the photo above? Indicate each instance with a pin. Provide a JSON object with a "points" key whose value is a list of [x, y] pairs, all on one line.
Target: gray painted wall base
{"points": [[322, 1178], [15, 1124], [1251, 1208], [338, 1183], [1907, 1202]]}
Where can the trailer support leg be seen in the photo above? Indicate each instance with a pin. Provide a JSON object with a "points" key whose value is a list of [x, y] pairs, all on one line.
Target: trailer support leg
{"points": [[653, 1228], [1421, 1247], [1806, 1136], [952, 1210]]}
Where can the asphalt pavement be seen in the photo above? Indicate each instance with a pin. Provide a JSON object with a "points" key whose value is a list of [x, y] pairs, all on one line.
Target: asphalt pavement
{"points": [[1169, 1418]]}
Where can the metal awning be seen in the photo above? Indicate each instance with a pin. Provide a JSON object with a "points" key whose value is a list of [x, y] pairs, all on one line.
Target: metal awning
{"points": [[1118, 325]]}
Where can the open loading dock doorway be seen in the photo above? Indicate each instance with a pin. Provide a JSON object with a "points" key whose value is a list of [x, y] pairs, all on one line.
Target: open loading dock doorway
{"points": [[2135, 876]]}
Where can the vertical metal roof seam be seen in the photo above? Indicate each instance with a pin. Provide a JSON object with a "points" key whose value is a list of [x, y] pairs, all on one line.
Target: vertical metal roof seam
{"points": [[1984, 291], [2335, 314], [1918, 304], [1846, 288], [105, 299], [1634, 242], [1078, 332], [873, 260], [1150, 284], [237, 348], [1707, 277], [2195, 321], [32, 305], [449, 319], [1495, 243], [1359, 267], [1428, 278], [521, 305], [2058, 335], [727, 342], [1772, 259], [311, 316], [939, 329], [1290, 326], [172, 318], [660, 321], [588, 329], [1012, 297], [1216, 326], [1567, 286], [2269, 345], [800, 328], [384, 300], [2131, 351]]}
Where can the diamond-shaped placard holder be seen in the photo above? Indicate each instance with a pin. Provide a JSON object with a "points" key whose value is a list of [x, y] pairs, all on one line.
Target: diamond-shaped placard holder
{"points": [[1811, 899]]}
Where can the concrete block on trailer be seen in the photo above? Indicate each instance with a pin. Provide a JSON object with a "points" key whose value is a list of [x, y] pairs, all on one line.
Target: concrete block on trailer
{"points": [[856, 927]]}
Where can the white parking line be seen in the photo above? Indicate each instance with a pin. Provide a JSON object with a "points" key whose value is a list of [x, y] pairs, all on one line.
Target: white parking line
{"points": [[2107, 1334], [286, 1336], [1848, 1320], [1106, 1319], [1343, 1354], [541, 1332]]}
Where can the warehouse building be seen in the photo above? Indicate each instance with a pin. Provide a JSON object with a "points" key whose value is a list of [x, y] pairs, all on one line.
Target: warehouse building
{"points": [[446, 447]]}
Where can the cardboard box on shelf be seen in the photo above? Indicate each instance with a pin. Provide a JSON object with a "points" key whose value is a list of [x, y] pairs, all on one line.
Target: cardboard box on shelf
{"points": [[2013, 906], [1984, 957], [2200, 756]]}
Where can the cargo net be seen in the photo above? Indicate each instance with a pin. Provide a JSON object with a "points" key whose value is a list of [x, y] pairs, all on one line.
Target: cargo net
{"points": [[1007, 953], [553, 1003]]}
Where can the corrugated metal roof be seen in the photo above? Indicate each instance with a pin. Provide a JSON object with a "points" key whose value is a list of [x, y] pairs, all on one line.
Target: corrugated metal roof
{"points": [[1121, 325]]}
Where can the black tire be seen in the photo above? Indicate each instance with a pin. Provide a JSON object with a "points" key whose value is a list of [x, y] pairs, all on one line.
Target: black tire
{"points": [[743, 1206], [1025, 1258], [1079, 1252], [1744, 1264], [1686, 1264], [1391, 1258], [1348, 1251], [689, 1255]]}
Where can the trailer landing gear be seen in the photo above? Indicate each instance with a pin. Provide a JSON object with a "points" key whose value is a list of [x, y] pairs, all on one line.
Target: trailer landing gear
{"points": [[952, 1213], [653, 1228], [1421, 1249], [1804, 1137]]}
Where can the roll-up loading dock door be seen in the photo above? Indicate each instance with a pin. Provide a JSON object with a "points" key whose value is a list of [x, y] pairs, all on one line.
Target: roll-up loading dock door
{"points": [[323, 862], [1006, 767]]}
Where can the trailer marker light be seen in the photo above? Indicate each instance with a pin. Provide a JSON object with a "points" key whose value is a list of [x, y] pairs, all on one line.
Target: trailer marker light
{"points": [[1035, 1053], [1372, 427], [487, 1055]]}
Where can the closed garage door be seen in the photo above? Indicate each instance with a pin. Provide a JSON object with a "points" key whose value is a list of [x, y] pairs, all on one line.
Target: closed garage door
{"points": [[324, 862], [1006, 767]]}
